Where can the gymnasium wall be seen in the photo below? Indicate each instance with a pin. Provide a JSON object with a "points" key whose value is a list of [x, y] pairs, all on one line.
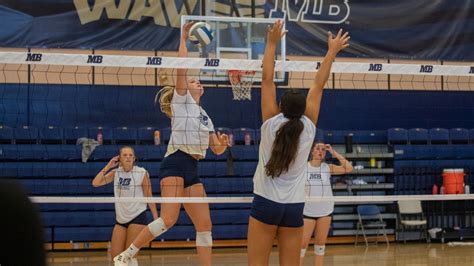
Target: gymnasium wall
{"points": [[42, 105]]}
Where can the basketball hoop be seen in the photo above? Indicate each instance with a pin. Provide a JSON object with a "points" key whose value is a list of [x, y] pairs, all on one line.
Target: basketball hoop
{"points": [[241, 81]]}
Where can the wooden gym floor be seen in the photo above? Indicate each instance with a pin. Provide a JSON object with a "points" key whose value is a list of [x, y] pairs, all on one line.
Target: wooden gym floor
{"points": [[412, 254]]}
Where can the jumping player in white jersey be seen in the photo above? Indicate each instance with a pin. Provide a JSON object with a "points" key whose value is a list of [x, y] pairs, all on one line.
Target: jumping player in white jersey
{"points": [[279, 181], [317, 215], [192, 133], [129, 181]]}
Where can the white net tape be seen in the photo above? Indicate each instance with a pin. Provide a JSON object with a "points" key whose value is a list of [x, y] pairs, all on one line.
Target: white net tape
{"points": [[241, 82], [337, 199], [228, 64]]}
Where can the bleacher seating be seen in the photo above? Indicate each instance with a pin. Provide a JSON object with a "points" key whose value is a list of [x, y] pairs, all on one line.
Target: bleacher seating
{"points": [[239, 135], [397, 136], [165, 134], [51, 135], [48, 162], [358, 137], [25, 135], [146, 135], [125, 136], [6, 135], [439, 136], [418, 136], [107, 134], [73, 133], [471, 136], [459, 136]]}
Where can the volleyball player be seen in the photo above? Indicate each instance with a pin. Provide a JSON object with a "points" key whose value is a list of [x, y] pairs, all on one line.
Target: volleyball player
{"points": [[192, 133], [317, 215], [129, 181], [279, 181]]}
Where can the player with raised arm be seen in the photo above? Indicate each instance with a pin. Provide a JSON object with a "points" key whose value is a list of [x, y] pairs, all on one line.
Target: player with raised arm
{"points": [[192, 133], [286, 135]]}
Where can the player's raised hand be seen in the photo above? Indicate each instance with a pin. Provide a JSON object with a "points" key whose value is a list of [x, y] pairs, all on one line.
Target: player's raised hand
{"points": [[185, 30], [339, 42], [329, 149], [113, 163], [275, 32]]}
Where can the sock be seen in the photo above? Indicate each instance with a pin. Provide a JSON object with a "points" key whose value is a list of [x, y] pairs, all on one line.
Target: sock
{"points": [[132, 250]]}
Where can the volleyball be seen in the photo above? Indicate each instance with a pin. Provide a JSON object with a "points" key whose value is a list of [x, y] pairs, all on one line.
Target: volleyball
{"points": [[201, 34]]}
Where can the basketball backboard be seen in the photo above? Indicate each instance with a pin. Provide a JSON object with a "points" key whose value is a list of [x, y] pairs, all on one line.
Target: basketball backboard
{"points": [[234, 38]]}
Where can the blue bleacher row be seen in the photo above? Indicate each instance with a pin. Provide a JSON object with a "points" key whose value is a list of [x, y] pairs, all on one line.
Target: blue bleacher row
{"points": [[103, 233], [144, 135], [107, 218], [82, 187], [425, 152], [431, 136], [418, 167], [421, 184], [66, 152], [120, 135], [41, 170]]}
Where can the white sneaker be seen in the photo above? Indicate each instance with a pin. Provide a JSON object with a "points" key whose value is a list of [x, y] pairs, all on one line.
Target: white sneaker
{"points": [[133, 262], [122, 259]]}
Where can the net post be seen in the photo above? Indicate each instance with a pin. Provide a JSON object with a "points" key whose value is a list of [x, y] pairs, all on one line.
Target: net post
{"points": [[389, 87]]}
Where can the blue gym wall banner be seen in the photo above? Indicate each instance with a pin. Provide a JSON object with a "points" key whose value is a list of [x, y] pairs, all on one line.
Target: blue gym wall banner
{"points": [[402, 29]]}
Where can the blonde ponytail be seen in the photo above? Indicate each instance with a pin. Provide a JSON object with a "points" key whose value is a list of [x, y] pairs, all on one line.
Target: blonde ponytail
{"points": [[164, 97]]}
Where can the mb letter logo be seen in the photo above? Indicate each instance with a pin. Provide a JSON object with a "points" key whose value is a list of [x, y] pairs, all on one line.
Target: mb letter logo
{"points": [[426, 69], [33, 57], [154, 61], [312, 11], [212, 62], [94, 59], [375, 67]]}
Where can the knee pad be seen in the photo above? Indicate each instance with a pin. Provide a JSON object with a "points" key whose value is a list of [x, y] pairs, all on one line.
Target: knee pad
{"points": [[157, 227], [302, 252], [319, 250], [204, 239]]}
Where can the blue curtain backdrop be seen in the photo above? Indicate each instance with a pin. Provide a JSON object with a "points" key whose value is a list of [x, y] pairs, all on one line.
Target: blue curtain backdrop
{"points": [[422, 29]]}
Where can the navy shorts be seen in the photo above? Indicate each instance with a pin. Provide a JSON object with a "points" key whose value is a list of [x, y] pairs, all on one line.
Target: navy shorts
{"points": [[140, 219], [275, 213], [315, 218], [180, 164]]}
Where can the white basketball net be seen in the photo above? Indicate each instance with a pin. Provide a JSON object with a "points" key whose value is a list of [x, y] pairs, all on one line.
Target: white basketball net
{"points": [[241, 81]]}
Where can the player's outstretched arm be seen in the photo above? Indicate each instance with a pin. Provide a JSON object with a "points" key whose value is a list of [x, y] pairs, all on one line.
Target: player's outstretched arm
{"points": [[181, 83], [313, 100], [268, 102]]}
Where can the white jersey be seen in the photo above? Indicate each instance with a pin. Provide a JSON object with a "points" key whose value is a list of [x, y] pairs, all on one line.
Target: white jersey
{"points": [[190, 126], [289, 186], [129, 185], [318, 184]]}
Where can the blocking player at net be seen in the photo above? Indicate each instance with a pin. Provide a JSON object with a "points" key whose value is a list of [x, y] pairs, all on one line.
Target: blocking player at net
{"points": [[129, 181], [317, 215], [287, 133], [192, 132]]}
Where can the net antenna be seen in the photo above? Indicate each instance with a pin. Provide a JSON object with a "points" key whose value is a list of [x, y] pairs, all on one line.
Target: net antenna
{"points": [[241, 82]]}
